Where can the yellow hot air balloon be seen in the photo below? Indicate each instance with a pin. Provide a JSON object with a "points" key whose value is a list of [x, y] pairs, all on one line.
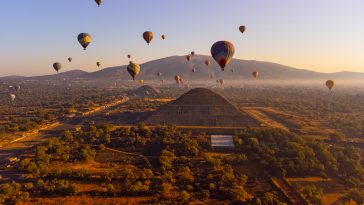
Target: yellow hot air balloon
{"points": [[141, 82], [330, 84], [84, 39], [133, 69]]}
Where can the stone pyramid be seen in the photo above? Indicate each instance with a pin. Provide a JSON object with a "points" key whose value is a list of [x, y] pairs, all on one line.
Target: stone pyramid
{"points": [[201, 107]]}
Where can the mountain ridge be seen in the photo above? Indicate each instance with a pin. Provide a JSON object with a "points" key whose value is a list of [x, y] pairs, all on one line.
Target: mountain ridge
{"points": [[178, 65]]}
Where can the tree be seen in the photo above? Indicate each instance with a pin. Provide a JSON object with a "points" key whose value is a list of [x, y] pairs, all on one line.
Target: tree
{"points": [[184, 196]]}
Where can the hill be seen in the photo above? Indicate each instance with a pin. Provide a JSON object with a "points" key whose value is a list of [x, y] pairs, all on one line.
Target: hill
{"points": [[201, 107], [173, 65]]}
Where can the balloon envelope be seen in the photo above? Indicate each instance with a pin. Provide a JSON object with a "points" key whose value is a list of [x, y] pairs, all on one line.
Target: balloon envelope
{"points": [[99, 2], [242, 29], [222, 52], [57, 66], [133, 69], [148, 36], [84, 39], [330, 84]]}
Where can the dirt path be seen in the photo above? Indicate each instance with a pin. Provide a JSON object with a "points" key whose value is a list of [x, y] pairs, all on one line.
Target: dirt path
{"points": [[264, 119]]}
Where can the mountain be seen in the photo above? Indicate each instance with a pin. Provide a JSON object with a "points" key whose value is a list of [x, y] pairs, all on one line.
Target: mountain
{"points": [[178, 65]]}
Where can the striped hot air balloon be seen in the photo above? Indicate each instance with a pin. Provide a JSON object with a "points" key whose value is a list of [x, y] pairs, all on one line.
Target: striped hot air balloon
{"points": [[222, 52]]}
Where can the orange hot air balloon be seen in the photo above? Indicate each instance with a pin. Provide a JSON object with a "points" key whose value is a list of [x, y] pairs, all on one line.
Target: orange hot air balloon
{"points": [[330, 84], [188, 57], [148, 36]]}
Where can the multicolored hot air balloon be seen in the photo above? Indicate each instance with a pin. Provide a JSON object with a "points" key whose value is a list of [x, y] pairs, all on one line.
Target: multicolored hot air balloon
{"points": [[57, 66], [84, 39], [222, 52], [330, 84], [188, 57], [133, 69], [178, 79], [148, 36], [69, 59], [98, 64], [242, 29], [163, 37], [255, 74], [99, 2], [207, 62]]}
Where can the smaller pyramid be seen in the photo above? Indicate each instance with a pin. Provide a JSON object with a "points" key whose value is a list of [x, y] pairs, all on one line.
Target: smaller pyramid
{"points": [[145, 91], [201, 107]]}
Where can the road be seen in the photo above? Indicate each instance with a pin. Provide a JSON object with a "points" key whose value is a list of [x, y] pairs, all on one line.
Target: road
{"points": [[18, 146]]}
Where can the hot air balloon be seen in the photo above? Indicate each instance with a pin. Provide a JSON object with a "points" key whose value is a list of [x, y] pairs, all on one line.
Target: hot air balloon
{"points": [[242, 29], [221, 81], [133, 69], [69, 59], [148, 36], [99, 2], [12, 97], [330, 84], [163, 37], [141, 82], [207, 62], [188, 57], [98, 64], [193, 53], [57, 66], [193, 70], [84, 39], [177, 78], [222, 52], [255, 74], [129, 56], [17, 88], [159, 74]]}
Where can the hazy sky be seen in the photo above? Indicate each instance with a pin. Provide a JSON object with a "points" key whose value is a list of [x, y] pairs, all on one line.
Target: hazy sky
{"points": [[320, 35]]}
